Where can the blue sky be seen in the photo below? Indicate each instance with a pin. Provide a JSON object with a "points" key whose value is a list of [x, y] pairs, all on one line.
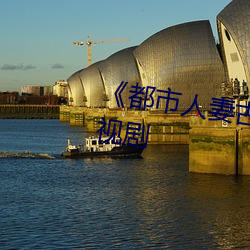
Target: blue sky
{"points": [[36, 35]]}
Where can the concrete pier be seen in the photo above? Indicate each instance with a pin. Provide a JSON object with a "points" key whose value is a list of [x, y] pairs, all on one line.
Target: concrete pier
{"points": [[164, 128], [215, 147], [218, 147]]}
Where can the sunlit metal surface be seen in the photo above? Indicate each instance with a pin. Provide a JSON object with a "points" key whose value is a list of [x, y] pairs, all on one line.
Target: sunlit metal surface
{"points": [[236, 18], [75, 89], [120, 67], [93, 86], [184, 58]]}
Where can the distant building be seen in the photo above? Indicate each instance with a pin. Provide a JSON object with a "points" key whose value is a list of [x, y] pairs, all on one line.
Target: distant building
{"points": [[9, 97], [37, 90], [38, 95], [40, 100], [60, 89], [47, 90]]}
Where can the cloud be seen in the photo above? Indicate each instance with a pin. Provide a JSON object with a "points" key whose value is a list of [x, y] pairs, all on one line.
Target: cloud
{"points": [[57, 66], [29, 67], [7, 66]]}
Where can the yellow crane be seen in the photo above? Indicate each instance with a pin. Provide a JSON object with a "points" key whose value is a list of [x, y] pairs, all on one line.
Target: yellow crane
{"points": [[89, 43]]}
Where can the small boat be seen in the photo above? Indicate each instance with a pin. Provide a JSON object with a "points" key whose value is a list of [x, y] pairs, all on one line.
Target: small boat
{"points": [[104, 148]]}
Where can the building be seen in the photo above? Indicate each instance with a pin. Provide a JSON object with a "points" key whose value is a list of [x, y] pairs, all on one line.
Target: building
{"points": [[9, 97], [38, 95], [37, 90], [60, 89], [92, 86], [76, 93], [234, 32], [184, 59], [121, 66]]}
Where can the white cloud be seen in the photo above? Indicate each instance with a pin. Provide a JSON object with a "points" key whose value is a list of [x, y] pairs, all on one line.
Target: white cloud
{"points": [[21, 66], [57, 66]]}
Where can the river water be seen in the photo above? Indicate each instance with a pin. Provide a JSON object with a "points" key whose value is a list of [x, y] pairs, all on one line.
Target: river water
{"points": [[150, 203]]}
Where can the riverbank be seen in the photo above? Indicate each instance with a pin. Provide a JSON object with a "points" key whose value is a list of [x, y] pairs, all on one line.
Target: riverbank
{"points": [[25, 111]]}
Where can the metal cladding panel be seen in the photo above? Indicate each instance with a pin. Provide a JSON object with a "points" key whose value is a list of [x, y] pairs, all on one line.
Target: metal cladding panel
{"points": [[185, 59], [75, 89], [236, 18], [93, 85], [120, 67]]}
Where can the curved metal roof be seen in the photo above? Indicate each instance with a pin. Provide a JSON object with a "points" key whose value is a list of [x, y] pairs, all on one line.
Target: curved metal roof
{"points": [[76, 91], [184, 58], [93, 85], [119, 67], [236, 18]]}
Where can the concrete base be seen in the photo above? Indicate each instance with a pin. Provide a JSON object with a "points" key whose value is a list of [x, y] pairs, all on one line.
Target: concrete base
{"points": [[219, 148], [164, 128], [214, 147]]}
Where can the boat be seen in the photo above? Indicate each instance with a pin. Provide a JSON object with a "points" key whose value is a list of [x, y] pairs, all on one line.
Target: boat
{"points": [[103, 148]]}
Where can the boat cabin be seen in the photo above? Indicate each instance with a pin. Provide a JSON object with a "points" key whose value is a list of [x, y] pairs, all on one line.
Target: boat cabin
{"points": [[93, 145]]}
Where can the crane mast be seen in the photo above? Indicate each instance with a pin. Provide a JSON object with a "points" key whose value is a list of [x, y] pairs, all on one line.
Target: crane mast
{"points": [[89, 43]]}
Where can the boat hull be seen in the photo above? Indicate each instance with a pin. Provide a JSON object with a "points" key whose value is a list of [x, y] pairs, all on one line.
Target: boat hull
{"points": [[122, 151]]}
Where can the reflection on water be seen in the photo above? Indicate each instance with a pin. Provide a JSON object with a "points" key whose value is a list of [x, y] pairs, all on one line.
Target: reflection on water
{"points": [[224, 201], [107, 203]]}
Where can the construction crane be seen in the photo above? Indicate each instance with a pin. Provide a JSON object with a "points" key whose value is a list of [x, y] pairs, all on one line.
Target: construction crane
{"points": [[89, 43]]}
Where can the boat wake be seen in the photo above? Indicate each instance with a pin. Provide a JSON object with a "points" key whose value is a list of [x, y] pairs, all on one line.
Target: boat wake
{"points": [[26, 154]]}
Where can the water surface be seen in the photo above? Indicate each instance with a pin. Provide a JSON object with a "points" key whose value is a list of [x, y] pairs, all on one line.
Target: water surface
{"points": [[148, 203]]}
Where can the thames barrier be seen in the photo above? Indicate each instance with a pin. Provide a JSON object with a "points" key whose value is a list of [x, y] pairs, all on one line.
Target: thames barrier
{"points": [[214, 146], [186, 62]]}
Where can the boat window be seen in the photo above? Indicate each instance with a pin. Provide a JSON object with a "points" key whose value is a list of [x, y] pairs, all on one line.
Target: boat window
{"points": [[94, 142], [101, 142]]}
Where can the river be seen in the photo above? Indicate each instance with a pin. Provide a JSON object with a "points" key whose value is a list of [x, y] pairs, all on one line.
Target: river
{"points": [[48, 202]]}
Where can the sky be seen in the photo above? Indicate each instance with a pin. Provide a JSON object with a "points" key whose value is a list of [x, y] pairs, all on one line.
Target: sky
{"points": [[36, 35]]}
